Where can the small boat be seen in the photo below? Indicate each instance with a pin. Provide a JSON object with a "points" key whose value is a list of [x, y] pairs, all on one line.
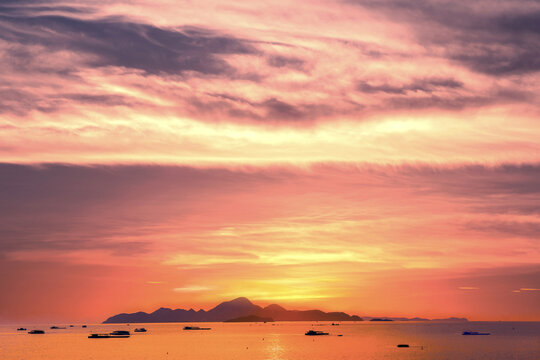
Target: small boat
{"points": [[474, 333], [36, 332], [403, 345], [195, 328], [120, 334], [114, 334], [57, 327], [21, 329], [70, 325], [140, 330], [83, 326], [99, 336], [315, 333], [335, 324]]}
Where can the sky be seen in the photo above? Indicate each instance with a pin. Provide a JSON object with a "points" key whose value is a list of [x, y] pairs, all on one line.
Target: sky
{"points": [[376, 157]]}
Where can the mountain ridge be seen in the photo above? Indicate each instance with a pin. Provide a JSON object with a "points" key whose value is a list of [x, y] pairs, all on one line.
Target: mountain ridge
{"points": [[242, 307], [227, 310]]}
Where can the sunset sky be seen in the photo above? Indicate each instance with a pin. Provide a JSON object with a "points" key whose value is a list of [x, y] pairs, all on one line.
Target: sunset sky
{"points": [[378, 157]]}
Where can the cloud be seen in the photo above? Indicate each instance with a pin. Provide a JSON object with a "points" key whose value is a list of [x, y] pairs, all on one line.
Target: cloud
{"points": [[434, 93], [280, 61], [25, 7], [525, 289], [507, 229], [479, 180], [163, 213], [499, 39], [67, 58], [281, 110], [291, 256], [61, 209], [116, 41], [192, 289], [231, 226], [269, 111], [419, 85]]}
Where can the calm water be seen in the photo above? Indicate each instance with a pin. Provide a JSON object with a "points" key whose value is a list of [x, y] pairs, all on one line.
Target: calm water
{"points": [[508, 340]]}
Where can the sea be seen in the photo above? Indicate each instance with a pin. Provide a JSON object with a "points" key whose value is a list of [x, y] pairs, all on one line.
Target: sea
{"points": [[278, 340]]}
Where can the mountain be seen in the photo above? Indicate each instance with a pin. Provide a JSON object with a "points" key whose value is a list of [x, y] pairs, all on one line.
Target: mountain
{"points": [[451, 319], [237, 308], [279, 313], [232, 309], [384, 318], [250, 318]]}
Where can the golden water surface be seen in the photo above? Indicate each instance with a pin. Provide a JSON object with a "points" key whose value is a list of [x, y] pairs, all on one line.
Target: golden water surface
{"points": [[280, 340]]}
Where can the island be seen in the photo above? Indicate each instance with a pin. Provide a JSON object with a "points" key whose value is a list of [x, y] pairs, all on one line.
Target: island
{"points": [[243, 310], [230, 310], [250, 318]]}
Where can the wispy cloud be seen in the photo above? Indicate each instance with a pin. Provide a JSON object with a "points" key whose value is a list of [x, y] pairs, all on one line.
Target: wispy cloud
{"points": [[192, 289], [124, 65]]}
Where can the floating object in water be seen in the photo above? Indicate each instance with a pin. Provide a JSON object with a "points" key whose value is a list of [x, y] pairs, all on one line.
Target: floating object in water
{"points": [[195, 328], [314, 333], [114, 334], [36, 332], [474, 333], [335, 324], [403, 345], [120, 333], [21, 329], [340, 335], [99, 336], [140, 330], [83, 326]]}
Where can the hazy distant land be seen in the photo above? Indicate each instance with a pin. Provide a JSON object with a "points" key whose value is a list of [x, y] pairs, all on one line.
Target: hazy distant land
{"points": [[250, 318], [241, 309]]}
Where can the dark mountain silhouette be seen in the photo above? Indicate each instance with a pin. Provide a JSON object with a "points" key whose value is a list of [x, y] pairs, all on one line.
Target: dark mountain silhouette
{"points": [[250, 318], [384, 318], [241, 308], [232, 309], [279, 313], [451, 319], [237, 308]]}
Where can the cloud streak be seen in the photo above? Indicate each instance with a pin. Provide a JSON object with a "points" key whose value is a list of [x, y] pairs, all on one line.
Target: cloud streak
{"points": [[123, 43], [84, 56], [496, 41], [191, 289]]}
